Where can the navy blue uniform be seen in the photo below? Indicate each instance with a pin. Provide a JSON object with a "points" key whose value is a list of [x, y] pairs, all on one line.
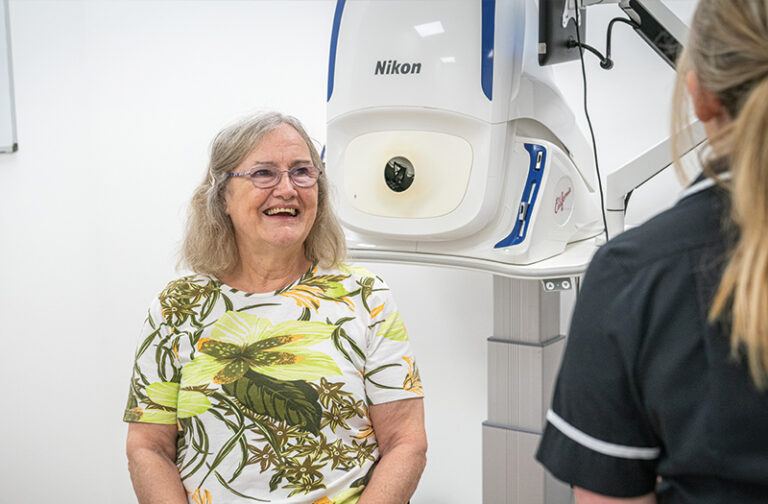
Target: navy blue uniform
{"points": [[648, 397]]}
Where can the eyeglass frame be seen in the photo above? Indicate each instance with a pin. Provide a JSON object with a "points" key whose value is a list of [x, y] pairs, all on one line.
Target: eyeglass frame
{"points": [[279, 178]]}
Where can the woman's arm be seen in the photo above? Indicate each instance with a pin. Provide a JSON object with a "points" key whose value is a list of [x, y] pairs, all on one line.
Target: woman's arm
{"points": [[399, 428], [586, 497], [151, 450]]}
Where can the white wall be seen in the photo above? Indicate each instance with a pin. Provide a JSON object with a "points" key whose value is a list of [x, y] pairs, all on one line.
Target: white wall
{"points": [[116, 104]]}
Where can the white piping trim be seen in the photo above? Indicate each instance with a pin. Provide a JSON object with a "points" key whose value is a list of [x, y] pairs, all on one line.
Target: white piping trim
{"points": [[604, 447], [704, 184]]}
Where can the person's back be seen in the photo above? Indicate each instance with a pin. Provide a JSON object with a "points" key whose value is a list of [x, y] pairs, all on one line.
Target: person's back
{"points": [[643, 317], [662, 395]]}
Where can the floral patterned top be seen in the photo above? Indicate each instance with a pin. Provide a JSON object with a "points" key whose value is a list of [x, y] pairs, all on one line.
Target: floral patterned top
{"points": [[270, 392]]}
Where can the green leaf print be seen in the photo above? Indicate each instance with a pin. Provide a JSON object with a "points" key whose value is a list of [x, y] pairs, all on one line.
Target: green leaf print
{"points": [[368, 374], [340, 334], [147, 341], [366, 289], [180, 298], [348, 496], [165, 403], [356, 270], [243, 341], [311, 289], [393, 328], [228, 487], [199, 444], [294, 402], [275, 480], [164, 393]]}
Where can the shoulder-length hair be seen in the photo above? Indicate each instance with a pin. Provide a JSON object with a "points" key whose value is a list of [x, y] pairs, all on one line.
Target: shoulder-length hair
{"points": [[727, 50], [209, 245]]}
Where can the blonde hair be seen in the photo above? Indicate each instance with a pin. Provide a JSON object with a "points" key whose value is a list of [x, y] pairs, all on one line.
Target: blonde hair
{"points": [[209, 245], [728, 51]]}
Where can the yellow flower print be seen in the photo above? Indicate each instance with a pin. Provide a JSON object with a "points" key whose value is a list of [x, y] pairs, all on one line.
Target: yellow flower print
{"points": [[306, 296], [367, 431], [324, 500], [412, 382], [242, 341], [200, 496], [376, 310], [311, 289]]}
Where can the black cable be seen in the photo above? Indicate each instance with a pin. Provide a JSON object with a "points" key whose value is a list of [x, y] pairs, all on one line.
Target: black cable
{"points": [[603, 60], [608, 60], [591, 131], [606, 63]]}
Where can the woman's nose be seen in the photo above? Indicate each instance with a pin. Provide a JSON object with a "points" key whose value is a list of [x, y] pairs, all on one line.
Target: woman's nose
{"points": [[284, 186]]}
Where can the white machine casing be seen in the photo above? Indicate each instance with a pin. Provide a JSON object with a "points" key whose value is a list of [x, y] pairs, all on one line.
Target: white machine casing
{"points": [[501, 171]]}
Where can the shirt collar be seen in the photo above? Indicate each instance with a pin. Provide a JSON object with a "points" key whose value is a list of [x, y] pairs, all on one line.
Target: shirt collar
{"points": [[702, 182]]}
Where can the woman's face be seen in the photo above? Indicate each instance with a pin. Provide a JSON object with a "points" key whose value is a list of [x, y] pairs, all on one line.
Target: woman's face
{"points": [[277, 219]]}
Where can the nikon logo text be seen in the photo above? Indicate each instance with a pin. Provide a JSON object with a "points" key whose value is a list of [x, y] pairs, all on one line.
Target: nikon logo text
{"points": [[393, 67]]}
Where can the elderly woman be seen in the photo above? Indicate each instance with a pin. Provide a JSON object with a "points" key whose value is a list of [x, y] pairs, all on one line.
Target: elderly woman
{"points": [[276, 373]]}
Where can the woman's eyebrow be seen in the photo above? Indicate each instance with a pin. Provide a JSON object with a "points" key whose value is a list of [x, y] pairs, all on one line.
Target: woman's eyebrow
{"points": [[293, 163]]}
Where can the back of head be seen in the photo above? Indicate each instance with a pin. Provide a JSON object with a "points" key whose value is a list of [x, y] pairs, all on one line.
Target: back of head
{"points": [[728, 51]]}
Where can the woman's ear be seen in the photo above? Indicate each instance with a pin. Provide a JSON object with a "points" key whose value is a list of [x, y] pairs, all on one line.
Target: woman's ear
{"points": [[226, 200], [706, 105]]}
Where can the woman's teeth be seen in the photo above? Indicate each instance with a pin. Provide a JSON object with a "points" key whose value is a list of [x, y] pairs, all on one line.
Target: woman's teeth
{"points": [[275, 211]]}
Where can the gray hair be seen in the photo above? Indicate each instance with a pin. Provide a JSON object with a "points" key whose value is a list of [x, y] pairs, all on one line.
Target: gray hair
{"points": [[209, 245]]}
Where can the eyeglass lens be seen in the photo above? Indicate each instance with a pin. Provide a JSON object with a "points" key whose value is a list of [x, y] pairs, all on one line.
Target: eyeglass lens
{"points": [[269, 176]]}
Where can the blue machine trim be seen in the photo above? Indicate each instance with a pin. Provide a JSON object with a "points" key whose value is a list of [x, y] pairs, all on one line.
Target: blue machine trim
{"points": [[334, 42], [489, 25], [528, 200]]}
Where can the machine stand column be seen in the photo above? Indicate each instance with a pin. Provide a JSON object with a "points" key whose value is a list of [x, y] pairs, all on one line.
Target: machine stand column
{"points": [[523, 358]]}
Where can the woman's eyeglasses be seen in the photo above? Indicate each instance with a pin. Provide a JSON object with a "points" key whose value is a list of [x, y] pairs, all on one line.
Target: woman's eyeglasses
{"points": [[269, 176]]}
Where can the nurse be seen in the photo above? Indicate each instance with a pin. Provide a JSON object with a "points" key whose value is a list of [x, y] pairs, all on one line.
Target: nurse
{"points": [[663, 392]]}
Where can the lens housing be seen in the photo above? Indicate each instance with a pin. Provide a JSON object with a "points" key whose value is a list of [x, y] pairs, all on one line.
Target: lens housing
{"points": [[399, 173]]}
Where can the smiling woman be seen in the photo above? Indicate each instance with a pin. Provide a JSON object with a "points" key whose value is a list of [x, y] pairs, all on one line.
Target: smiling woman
{"points": [[274, 220], [276, 372], [210, 244]]}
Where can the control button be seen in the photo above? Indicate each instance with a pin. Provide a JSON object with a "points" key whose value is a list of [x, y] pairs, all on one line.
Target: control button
{"points": [[523, 211]]}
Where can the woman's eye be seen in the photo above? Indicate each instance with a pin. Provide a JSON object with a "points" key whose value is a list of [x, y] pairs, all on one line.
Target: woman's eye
{"points": [[301, 171], [262, 173]]}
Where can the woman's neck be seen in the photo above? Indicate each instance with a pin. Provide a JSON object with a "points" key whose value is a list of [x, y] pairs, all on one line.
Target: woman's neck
{"points": [[266, 273]]}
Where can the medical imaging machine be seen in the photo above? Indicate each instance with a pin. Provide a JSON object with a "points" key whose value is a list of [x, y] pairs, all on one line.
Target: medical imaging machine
{"points": [[451, 145]]}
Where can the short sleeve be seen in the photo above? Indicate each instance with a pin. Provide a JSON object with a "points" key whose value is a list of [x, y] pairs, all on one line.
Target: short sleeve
{"points": [[390, 371], [154, 388], [597, 435]]}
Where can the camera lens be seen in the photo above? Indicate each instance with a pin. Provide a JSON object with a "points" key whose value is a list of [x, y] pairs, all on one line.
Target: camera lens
{"points": [[399, 174]]}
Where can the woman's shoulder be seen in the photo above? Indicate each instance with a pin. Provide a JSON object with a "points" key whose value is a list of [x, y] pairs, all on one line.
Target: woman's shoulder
{"points": [[191, 285], [359, 284], [695, 223], [184, 293], [355, 273]]}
